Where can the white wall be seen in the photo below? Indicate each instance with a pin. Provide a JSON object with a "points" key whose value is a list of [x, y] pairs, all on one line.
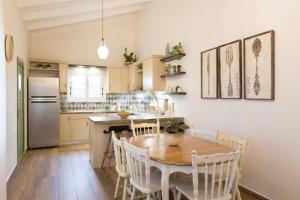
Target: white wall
{"points": [[13, 24], [272, 161], [77, 44], [2, 111]]}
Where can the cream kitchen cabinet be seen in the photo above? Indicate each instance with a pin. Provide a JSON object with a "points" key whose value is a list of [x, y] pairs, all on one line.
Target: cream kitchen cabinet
{"points": [[63, 78], [135, 77], [153, 68], [74, 127], [125, 80], [79, 129], [64, 128], [118, 79]]}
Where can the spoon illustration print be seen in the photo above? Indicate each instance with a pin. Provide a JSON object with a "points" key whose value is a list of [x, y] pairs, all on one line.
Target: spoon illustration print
{"points": [[208, 74], [256, 48], [229, 60]]}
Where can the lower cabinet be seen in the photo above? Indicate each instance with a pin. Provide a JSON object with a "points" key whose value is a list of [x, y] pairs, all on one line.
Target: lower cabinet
{"points": [[79, 129], [64, 128], [75, 127]]}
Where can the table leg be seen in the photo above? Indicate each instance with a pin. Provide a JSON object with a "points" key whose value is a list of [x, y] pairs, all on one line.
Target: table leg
{"points": [[165, 182]]}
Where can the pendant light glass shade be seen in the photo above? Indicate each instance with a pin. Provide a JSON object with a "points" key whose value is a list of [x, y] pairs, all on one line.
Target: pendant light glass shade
{"points": [[102, 51]]}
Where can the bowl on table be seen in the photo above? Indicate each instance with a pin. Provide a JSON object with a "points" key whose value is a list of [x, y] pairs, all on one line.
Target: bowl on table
{"points": [[123, 114]]}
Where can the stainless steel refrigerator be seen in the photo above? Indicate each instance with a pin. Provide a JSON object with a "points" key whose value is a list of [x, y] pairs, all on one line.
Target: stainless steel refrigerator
{"points": [[43, 112]]}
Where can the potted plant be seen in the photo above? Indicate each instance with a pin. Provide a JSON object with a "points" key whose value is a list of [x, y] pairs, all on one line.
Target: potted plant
{"points": [[177, 49], [129, 57], [174, 132], [168, 68]]}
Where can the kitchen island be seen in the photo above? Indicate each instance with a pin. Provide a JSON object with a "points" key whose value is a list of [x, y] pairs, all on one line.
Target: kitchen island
{"points": [[98, 140]]}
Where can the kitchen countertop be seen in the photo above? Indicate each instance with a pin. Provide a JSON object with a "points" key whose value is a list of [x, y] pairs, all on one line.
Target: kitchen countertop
{"points": [[87, 112], [114, 118]]}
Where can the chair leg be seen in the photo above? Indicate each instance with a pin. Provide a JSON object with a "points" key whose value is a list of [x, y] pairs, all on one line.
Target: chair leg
{"points": [[148, 197], [159, 196], [174, 193], [178, 196], [125, 189], [109, 155], [117, 186], [133, 193], [106, 151], [238, 194], [154, 196]]}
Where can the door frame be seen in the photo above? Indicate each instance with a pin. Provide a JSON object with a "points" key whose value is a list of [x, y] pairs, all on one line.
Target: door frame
{"points": [[21, 63]]}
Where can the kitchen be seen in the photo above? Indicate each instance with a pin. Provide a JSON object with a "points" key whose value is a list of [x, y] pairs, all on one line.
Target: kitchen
{"points": [[73, 72], [74, 93]]}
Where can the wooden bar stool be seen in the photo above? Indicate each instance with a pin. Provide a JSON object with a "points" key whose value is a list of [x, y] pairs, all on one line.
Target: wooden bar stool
{"points": [[109, 150]]}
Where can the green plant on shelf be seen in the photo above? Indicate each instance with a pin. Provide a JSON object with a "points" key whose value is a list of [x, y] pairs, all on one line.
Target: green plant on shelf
{"points": [[177, 49], [129, 57], [168, 68]]}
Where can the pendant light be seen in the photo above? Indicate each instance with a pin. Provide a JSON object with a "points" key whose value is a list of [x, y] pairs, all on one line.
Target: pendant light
{"points": [[102, 51]]}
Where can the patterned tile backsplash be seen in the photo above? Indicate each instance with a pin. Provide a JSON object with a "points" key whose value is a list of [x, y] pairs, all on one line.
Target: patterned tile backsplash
{"points": [[137, 102]]}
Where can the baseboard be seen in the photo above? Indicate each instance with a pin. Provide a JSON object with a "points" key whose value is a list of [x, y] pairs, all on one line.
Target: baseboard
{"points": [[9, 178], [74, 142], [252, 193], [12, 173]]}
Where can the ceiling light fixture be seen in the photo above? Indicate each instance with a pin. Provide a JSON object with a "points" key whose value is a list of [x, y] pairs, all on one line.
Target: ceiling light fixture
{"points": [[102, 51]]}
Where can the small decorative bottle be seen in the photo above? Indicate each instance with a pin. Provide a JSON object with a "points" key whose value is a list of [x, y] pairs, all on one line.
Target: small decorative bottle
{"points": [[167, 50]]}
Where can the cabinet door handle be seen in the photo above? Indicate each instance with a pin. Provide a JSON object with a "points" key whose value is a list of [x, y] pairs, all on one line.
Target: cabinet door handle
{"points": [[87, 123], [102, 92]]}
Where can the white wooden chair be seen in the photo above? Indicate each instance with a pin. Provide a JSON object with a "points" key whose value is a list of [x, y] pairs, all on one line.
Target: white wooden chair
{"points": [[212, 187], [141, 177], [211, 136], [145, 128], [120, 164], [237, 144]]}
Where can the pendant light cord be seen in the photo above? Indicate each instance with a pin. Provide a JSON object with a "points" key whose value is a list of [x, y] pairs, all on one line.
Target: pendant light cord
{"points": [[102, 21]]}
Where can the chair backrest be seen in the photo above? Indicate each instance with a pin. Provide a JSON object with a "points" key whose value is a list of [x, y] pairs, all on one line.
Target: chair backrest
{"points": [[138, 166], [145, 128], [234, 143], [212, 136], [120, 156], [214, 186]]}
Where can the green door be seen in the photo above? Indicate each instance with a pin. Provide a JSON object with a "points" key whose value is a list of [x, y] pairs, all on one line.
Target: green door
{"points": [[20, 109]]}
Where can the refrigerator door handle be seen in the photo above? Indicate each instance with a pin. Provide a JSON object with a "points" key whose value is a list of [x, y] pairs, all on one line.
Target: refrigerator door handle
{"points": [[43, 101], [43, 97]]}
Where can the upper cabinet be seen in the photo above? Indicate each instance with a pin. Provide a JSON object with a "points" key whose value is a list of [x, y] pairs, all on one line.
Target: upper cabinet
{"points": [[118, 79], [63, 78], [136, 76], [152, 69]]}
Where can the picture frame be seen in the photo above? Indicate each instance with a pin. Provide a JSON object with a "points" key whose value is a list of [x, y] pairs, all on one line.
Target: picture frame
{"points": [[230, 70], [259, 66], [209, 74]]}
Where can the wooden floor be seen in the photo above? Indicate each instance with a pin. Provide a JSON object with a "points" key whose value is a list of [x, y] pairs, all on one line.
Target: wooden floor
{"points": [[48, 174]]}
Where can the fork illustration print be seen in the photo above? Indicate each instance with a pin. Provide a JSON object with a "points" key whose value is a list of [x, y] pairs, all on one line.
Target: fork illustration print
{"points": [[229, 60]]}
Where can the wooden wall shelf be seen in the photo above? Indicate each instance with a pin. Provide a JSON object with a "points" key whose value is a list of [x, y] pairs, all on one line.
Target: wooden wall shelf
{"points": [[176, 93], [173, 74], [171, 58]]}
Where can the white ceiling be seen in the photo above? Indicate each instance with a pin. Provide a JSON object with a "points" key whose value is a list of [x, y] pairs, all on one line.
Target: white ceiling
{"points": [[43, 14]]}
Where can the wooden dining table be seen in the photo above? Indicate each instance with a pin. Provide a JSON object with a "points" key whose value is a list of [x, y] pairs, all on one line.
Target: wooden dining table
{"points": [[170, 158]]}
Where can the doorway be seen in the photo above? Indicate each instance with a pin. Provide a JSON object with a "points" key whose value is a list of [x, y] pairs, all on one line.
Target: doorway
{"points": [[20, 110]]}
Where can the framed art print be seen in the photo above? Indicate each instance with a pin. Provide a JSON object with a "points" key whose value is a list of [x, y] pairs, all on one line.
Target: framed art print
{"points": [[259, 66], [209, 74], [230, 70]]}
